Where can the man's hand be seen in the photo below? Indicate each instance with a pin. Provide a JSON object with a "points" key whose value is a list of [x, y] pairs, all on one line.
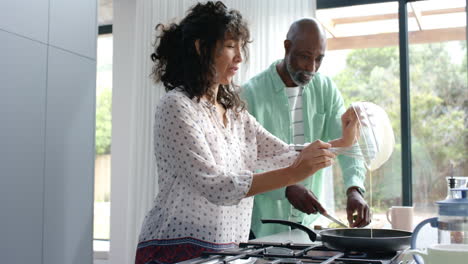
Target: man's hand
{"points": [[304, 200], [357, 204]]}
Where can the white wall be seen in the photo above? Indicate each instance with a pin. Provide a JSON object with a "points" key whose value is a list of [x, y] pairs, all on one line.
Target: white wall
{"points": [[47, 112], [123, 33]]}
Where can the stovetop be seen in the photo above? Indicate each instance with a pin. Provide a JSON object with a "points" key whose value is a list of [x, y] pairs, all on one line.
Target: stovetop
{"points": [[293, 247], [259, 253]]}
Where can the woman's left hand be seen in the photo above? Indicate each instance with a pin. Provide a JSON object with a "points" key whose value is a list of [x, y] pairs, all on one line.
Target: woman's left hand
{"points": [[350, 124]]}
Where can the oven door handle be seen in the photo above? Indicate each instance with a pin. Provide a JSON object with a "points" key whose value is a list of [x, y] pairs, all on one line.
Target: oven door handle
{"points": [[312, 235]]}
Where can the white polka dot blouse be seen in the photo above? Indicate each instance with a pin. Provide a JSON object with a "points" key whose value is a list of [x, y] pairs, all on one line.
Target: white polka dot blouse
{"points": [[205, 170]]}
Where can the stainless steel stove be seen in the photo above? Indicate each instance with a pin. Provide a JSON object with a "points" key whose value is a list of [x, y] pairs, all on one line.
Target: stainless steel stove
{"points": [[291, 254], [292, 247]]}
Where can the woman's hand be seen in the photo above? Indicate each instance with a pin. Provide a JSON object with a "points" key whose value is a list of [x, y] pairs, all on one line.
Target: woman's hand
{"points": [[350, 128], [312, 158], [350, 124]]}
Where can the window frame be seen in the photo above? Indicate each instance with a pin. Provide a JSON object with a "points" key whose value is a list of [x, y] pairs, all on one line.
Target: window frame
{"points": [[102, 255], [323, 4]]}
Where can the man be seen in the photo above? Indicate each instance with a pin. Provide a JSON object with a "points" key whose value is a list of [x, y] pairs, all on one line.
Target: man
{"points": [[299, 105]]}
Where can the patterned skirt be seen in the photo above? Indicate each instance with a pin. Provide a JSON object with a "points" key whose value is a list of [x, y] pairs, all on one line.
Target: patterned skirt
{"points": [[166, 251]]}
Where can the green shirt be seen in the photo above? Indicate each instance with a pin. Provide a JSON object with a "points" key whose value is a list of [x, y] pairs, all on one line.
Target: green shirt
{"points": [[322, 109]]}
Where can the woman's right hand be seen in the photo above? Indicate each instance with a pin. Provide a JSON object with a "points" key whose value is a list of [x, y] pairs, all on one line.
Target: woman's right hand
{"points": [[312, 158]]}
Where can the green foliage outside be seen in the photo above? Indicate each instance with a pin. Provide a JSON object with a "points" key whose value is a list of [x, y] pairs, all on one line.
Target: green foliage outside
{"points": [[103, 122], [439, 107]]}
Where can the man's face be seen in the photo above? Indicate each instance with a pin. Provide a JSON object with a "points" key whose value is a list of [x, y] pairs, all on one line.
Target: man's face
{"points": [[303, 58]]}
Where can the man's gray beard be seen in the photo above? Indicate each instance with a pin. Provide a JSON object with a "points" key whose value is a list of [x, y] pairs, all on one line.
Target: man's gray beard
{"points": [[295, 75]]}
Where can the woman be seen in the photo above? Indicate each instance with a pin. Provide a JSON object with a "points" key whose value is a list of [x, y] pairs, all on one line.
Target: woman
{"points": [[207, 146]]}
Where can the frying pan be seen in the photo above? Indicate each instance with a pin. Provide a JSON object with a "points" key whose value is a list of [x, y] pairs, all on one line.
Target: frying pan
{"points": [[356, 239]]}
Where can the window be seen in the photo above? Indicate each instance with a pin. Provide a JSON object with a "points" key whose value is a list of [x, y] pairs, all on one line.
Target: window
{"points": [[363, 60], [438, 83], [103, 143], [102, 165]]}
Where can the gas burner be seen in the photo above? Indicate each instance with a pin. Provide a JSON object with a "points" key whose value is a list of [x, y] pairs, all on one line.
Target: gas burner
{"points": [[354, 254], [278, 251], [369, 255], [286, 261]]}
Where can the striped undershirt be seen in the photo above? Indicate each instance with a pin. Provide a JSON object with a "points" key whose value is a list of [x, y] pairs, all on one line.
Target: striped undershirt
{"points": [[295, 108], [295, 103]]}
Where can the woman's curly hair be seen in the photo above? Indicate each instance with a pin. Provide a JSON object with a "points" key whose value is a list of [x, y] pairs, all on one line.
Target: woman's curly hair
{"points": [[177, 62]]}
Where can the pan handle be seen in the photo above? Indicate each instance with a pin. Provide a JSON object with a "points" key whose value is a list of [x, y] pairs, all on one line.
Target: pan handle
{"points": [[312, 235]]}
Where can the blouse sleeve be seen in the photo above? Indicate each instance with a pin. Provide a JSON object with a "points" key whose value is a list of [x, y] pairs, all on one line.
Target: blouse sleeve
{"points": [[180, 144], [272, 152]]}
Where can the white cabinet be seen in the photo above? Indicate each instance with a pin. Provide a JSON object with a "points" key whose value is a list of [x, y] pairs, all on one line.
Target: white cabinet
{"points": [[47, 124], [22, 130], [73, 26], [28, 18], [69, 166]]}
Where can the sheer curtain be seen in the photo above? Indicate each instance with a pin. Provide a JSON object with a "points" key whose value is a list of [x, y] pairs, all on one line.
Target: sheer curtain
{"points": [[134, 176]]}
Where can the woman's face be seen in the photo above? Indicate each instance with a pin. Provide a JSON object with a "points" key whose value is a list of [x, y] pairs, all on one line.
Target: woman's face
{"points": [[227, 60]]}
